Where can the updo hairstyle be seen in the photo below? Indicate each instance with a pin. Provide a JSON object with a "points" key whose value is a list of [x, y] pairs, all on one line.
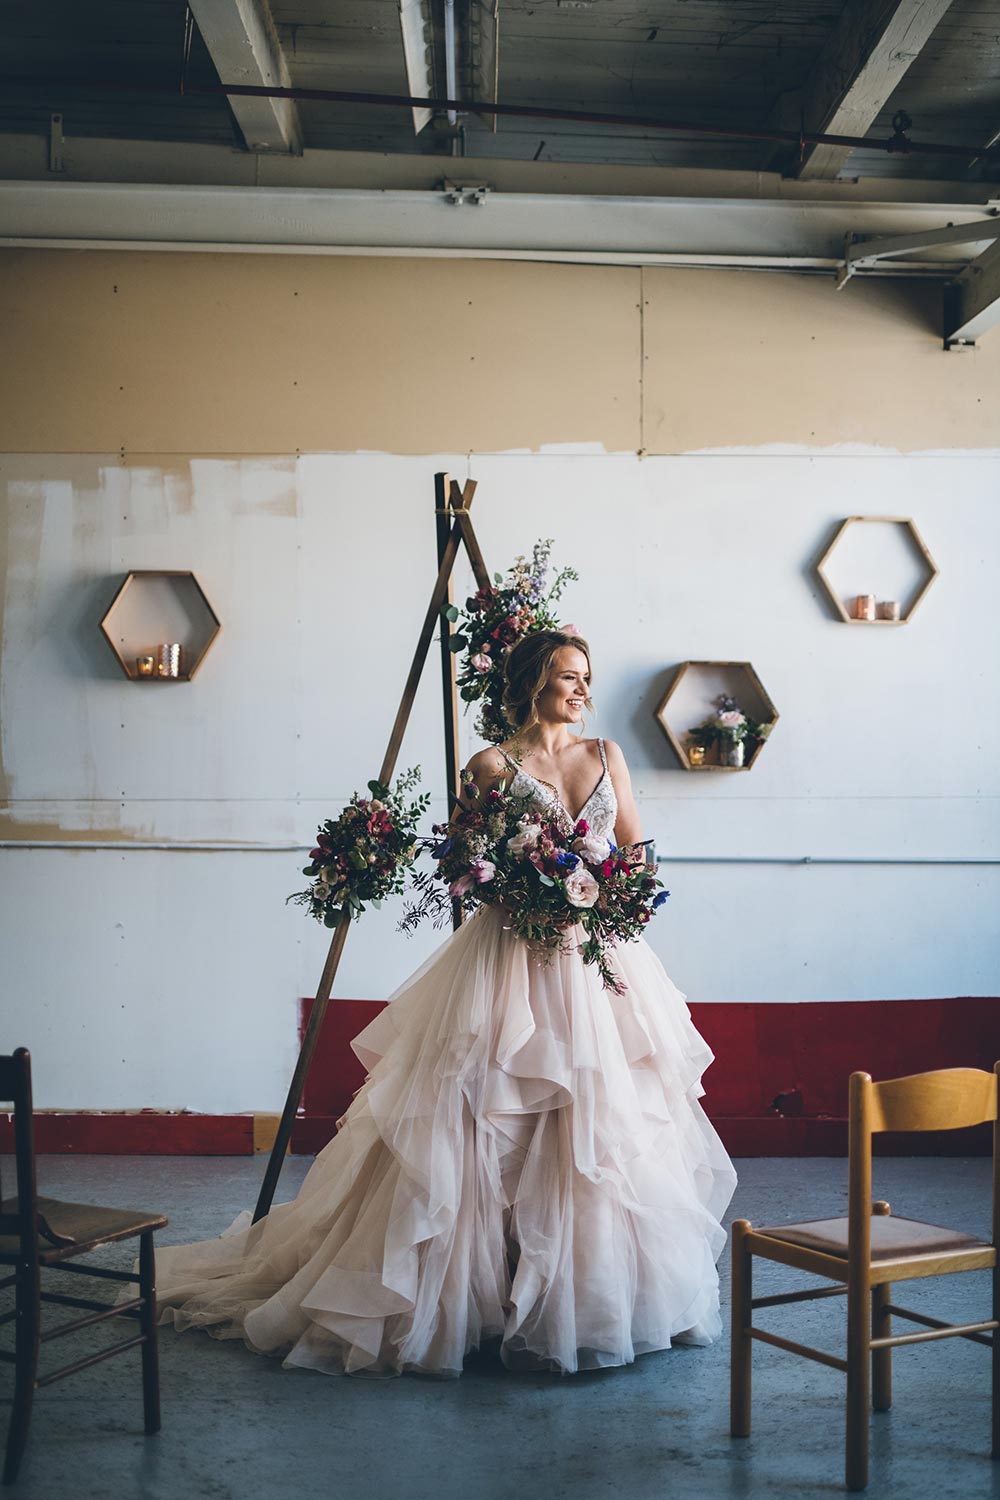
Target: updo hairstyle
{"points": [[526, 669]]}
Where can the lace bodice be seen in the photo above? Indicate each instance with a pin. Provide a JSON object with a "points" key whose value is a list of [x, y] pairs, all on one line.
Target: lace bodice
{"points": [[600, 809]]}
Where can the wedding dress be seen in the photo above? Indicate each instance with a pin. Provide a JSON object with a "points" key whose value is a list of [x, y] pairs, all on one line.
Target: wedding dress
{"points": [[527, 1161]]}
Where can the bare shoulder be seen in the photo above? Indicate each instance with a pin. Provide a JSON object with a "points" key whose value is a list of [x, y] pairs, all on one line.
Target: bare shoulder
{"points": [[487, 766], [617, 766], [616, 757]]}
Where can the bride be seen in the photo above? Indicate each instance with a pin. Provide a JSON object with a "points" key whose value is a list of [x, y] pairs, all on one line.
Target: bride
{"points": [[527, 1160]]}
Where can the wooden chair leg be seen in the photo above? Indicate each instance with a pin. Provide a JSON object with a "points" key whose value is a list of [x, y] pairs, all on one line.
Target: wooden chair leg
{"points": [[147, 1324], [858, 1351], [881, 1358], [995, 1449], [881, 1329], [740, 1375], [25, 1368]]}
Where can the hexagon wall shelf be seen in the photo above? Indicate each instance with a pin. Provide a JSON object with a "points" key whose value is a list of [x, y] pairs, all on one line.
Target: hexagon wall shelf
{"points": [[690, 698], [908, 534], [158, 605]]}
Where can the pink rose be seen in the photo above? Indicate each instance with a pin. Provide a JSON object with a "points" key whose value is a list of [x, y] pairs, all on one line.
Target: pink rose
{"points": [[481, 662], [581, 887], [522, 842], [592, 848], [463, 884], [571, 630], [483, 870], [732, 719]]}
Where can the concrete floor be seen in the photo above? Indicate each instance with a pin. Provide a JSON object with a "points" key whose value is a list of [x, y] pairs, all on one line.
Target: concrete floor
{"points": [[239, 1427]]}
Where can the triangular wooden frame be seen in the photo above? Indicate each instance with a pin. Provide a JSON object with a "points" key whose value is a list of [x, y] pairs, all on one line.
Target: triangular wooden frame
{"points": [[452, 504]]}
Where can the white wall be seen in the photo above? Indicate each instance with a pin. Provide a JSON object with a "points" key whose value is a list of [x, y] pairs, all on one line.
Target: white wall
{"points": [[170, 978]]}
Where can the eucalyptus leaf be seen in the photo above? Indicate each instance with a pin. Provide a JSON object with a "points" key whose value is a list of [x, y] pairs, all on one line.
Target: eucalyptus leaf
{"points": [[450, 612], [457, 643]]}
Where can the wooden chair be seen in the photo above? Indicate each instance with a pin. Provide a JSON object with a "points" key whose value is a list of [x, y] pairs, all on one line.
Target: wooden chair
{"points": [[869, 1250], [37, 1232]]}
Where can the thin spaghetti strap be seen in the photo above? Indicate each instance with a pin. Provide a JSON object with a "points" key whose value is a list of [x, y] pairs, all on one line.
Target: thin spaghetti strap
{"points": [[509, 759], [604, 758]]}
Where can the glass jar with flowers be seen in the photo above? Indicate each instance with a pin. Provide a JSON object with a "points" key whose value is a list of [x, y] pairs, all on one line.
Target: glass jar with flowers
{"points": [[729, 733]]}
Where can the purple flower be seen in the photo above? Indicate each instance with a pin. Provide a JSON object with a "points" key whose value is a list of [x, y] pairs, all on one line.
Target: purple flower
{"points": [[659, 899], [440, 850]]}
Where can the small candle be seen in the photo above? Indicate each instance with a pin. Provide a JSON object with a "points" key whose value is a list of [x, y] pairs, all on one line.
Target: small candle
{"points": [[696, 755], [864, 607], [144, 666], [888, 609], [170, 659]]}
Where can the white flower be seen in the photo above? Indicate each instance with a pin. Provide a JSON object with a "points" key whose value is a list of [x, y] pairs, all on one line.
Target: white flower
{"points": [[320, 891], [592, 848], [581, 887], [526, 839], [732, 719]]}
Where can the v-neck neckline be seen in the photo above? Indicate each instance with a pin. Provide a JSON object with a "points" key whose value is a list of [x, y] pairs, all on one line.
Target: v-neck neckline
{"points": [[540, 781]]}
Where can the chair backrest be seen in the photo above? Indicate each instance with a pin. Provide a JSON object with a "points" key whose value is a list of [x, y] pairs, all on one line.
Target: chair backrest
{"points": [[948, 1099], [15, 1089]]}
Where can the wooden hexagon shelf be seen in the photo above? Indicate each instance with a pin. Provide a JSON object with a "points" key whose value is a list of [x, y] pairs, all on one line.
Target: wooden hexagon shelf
{"points": [[155, 606], [689, 701], [920, 559]]}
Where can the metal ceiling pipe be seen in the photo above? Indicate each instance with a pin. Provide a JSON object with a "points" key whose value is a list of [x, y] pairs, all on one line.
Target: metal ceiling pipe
{"points": [[450, 70], [898, 145]]}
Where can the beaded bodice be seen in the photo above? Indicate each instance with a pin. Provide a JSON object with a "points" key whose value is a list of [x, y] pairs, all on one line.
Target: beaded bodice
{"points": [[600, 809]]}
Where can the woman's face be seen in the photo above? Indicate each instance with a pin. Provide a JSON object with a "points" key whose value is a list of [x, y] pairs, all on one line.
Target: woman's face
{"points": [[566, 689]]}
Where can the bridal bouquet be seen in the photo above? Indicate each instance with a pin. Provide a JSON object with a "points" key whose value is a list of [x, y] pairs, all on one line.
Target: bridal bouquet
{"points": [[495, 851], [364, 854], [494, 619]]}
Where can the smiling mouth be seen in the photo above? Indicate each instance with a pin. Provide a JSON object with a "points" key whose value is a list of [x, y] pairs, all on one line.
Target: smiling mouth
{"points": [[574, 702]]}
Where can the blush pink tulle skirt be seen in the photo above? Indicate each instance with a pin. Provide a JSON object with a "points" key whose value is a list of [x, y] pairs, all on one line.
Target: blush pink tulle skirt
{"points": [[527, 1162]]}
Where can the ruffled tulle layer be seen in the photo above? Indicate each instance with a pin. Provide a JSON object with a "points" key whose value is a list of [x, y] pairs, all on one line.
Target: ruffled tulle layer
{"points": [[527, 1161]]}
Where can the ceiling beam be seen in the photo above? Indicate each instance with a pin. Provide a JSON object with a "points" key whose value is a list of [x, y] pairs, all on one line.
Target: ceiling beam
{"points": [[872, 45], [972, 301], [243, 43], [417, 31]]}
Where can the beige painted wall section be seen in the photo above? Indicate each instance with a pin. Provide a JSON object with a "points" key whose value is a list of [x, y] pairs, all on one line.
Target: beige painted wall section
{"points": [[743, 360], [281, 354], [245, 354]]}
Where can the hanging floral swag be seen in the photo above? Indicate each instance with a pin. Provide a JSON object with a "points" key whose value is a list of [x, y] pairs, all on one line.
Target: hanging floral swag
{"points": [[366, 852], [494, 619]]}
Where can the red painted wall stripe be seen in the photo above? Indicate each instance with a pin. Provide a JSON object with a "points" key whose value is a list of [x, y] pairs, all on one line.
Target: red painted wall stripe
{"points": [[778, 1086]]}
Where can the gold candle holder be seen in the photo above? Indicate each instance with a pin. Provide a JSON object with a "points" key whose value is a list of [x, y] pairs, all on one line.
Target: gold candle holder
{"points": [[696, 755], [888, 609], [864, 607], [169, 664], [145, 666]]}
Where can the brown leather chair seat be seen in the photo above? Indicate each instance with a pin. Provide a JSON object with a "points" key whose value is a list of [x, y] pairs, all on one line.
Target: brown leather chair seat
{"points": [[890, 1237]]}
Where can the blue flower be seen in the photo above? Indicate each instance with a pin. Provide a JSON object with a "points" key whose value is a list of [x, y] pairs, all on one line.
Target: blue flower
{"points": [[659, 899], [567, 860], [440, 850]]}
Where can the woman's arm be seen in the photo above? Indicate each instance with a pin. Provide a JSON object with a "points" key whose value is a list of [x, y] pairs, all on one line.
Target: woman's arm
{"points": [[628, 828]]}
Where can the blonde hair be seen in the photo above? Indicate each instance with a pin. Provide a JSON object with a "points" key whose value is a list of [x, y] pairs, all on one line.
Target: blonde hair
{"points": [[526, 671]]}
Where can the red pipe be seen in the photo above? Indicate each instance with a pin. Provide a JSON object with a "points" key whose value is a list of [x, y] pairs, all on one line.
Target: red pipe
{"points": [[897, 143]]}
